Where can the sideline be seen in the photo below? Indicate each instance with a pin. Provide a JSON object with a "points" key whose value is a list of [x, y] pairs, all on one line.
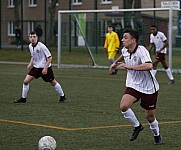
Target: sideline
{"points": [[79, 129]]}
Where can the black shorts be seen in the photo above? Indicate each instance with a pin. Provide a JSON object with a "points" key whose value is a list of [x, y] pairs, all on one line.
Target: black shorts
{"points": [[148, 101], [37, 72], [160, 56]]}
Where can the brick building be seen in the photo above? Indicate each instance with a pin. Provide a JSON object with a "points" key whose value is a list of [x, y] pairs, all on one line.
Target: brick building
{"points": [[35, 13]]}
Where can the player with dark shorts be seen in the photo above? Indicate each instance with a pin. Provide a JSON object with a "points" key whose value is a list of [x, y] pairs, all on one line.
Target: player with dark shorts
{"points": [[159, 39], [39, 66], [141, 84]]}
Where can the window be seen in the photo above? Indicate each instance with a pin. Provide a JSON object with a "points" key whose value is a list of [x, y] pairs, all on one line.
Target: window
{"points": [[31, 26], [11, 26], [106, 1], [32, 3], [10, 3], [77, 2]]}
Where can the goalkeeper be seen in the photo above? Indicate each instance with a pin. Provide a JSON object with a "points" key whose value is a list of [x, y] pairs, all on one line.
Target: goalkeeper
{"points": [[111, 46]]}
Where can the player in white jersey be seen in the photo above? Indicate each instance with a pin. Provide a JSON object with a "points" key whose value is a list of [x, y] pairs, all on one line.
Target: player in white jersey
{"points": [[39, 66], [140, 84], [158, 39]]}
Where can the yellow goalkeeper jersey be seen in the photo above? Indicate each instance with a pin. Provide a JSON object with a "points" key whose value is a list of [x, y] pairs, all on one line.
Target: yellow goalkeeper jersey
{"points": [[112, 41]]}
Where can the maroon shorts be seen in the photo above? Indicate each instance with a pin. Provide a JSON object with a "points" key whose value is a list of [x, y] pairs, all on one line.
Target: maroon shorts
{"points": [[160, 56], [37, 72], [148, 101]]}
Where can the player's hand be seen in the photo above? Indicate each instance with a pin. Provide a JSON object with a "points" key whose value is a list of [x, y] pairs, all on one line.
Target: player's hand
{"points": [[29, 66], [105, 50], [44, 71], [117, 50], [122, 65], [112, 68], [158, 51]]}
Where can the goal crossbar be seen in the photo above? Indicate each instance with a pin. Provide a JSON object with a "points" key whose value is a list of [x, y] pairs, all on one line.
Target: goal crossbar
{"points": [[61, 12]]}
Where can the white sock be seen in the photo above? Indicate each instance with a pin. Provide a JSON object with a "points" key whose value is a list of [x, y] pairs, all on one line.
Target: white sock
{"points": [[169, 74], [25, 90], [58, 88], [154, 72], [130, 116], [154, 128]]}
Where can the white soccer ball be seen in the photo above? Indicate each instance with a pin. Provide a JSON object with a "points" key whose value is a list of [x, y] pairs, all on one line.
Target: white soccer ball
{"points": [[47, 143]]}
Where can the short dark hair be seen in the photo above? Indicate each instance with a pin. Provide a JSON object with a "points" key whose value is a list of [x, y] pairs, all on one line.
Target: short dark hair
{"points": [[134, 33], [153, 26], [110, 26], [32, 32]]}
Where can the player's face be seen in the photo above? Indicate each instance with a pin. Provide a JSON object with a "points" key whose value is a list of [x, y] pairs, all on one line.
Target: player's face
{"points": [[153, 30], [110, 29], [33, 38], [127, 40]]}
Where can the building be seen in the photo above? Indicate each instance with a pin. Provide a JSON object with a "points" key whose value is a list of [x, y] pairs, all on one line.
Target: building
{"points": [[33, 13]]}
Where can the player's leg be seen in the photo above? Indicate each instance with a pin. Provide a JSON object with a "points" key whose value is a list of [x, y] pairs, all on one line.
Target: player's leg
{"points": [[111, 56], [153, 123], [168, 71], [25, 89], [127, 101], [49, 77], [59, 89], [155, 63]]}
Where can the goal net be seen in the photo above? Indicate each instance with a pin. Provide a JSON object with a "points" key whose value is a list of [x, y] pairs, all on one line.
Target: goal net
{"points": [[81, 33]]}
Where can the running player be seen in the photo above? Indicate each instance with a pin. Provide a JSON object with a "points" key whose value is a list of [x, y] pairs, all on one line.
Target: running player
{"points": [[111, 45], [158, 39], [140, 84], [39, 66]]}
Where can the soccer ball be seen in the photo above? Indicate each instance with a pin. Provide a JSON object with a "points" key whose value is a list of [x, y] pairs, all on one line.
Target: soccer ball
{"points": [[47, 143]]}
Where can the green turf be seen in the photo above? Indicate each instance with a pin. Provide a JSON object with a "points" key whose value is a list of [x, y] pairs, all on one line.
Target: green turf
{"points": [[78, 56], [93, 99]]}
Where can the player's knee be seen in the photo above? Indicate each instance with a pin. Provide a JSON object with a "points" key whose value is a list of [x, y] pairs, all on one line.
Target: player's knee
{"points": [[123, 107], [25, 82], [53, 82], [150, 117]]}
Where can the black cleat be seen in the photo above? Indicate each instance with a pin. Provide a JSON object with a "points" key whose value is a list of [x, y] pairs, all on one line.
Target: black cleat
{"points": [[158, 140], [171, 82], [62, 99], [136, 131], [21, 100]]}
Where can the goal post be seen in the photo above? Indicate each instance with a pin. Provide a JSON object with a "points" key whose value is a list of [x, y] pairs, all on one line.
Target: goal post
{"points": [[81, 34]]}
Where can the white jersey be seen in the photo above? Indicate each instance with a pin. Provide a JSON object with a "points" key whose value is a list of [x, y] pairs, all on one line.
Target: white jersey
{"points": [[39, 53], [142, 81], [158, 40]]}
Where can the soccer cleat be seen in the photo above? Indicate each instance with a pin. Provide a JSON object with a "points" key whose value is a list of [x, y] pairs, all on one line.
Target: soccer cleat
{"points": [[21, 100], [158, 140], [62, 99], [171, 82], [136, 132]]}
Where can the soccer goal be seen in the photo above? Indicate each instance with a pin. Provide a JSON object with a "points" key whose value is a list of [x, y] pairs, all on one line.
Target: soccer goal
{"points": [[81, 33]]}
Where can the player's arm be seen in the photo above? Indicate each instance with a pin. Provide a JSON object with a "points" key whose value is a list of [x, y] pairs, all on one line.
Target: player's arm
{"points": [[45, 69], [30, 65], [150, 46], [116, 63], [164, 46], [142, 67], [105, 45]]}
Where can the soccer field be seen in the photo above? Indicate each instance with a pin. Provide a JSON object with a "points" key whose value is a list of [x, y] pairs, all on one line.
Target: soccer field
{"points": [[90, 118]]}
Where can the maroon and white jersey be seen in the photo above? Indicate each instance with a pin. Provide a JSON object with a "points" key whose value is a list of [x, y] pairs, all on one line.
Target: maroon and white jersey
{"points": [[142, 81], [158, 40], [40, 54]]}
